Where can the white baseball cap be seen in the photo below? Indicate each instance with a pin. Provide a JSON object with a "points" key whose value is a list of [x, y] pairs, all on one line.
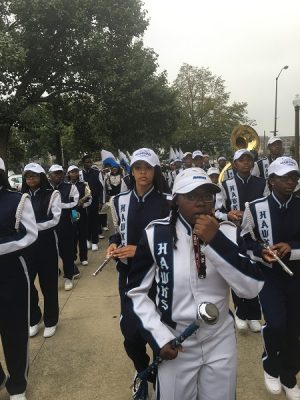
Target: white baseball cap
{"points": [[239, 153], [197, 153], [187, 153], [55, 167], [273, 139], [213, 170], [34, 167], [282, 166], [221, 158], [191, 178], [71, 167], [2, 165], [145, 154]]}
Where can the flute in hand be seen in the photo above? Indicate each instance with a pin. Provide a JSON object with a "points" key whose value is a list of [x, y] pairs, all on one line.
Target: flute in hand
{"points": [[104, 263], [284, 267]]}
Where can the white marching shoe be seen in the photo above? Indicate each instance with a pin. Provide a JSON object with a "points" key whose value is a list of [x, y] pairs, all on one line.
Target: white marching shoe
{"points": [[68, 284], [49, 331], [254, 325], [272, 384], [94, 247], [241, 324], [88, 245], [20, 396], [84, 262], [292, 393], [34, 330]]}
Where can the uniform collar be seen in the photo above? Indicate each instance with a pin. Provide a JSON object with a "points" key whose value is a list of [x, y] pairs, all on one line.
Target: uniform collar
{"points": [[186, 226], [33, 192], [282, 205], [246, 180], [143, 198]]}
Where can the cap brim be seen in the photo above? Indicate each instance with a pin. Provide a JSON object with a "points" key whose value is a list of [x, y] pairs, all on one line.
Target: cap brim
{"points": [[189, 188], [284, 171]]}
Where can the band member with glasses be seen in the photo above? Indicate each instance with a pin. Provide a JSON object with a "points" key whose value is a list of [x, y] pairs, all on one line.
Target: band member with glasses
{"points": [[273, 222], [43, 255], [18, 230], [236, 191], [132, 211], [191, 259]]}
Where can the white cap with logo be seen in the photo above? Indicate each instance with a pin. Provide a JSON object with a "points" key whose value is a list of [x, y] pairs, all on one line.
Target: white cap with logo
{"points": [[197, 153], [239, 153], [2, 165], [282, 166], [273, 139], [55, 167], [192, 178], [71, 167], [34, 167], [145, 154]]}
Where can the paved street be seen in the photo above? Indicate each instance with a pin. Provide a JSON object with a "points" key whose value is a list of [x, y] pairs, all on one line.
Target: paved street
{"points": [[85, 359]]}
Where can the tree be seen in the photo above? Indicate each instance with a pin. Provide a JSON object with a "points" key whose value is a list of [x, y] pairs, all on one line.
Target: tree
{"points": [[206, 118], [53, 47]]}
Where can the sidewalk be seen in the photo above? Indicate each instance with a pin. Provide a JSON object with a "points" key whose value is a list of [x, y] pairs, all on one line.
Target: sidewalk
{"points": [[85, 359]]}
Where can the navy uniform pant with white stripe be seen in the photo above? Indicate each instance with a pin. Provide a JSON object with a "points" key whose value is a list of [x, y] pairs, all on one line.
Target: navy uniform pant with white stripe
{"points": [[134, 343], [14, 323], [43, 262], [280, 301]]}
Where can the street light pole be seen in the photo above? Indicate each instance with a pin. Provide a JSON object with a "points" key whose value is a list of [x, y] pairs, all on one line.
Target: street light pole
{"points": [[296, 104], [276, 90]]}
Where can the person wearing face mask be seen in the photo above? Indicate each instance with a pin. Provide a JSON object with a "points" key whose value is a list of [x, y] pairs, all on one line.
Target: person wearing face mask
{"points": [[18, 230], [191, 258], [271, 228], [132, 211], [43, 255]]}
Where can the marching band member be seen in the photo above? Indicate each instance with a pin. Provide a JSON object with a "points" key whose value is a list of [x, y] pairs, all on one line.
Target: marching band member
{"points": [[191, 259], [94, 179], [47, 210], [132, 211], [18, 230], [187, 160], [276, 150], [80, 226], [274, 220], [236, 192], [65, 233], [198, 158]]}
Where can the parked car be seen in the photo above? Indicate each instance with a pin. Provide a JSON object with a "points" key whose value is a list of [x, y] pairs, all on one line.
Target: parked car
{"points": [[15, 181]]}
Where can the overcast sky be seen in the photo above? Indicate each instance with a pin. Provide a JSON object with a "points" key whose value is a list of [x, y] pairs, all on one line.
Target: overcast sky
{"points": [[245, 42]]}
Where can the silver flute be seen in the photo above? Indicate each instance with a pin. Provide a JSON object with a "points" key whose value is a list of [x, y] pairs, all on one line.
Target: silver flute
{"points": [[104, 263], [284, 267]]}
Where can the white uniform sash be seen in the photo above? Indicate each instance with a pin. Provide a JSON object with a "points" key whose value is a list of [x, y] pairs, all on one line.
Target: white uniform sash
{"points": [[265, 166], [264, 223], [233, 194]]}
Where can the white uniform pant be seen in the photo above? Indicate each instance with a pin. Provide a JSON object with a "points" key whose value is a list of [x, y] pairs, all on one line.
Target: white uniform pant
{"points": [[204, 371]]}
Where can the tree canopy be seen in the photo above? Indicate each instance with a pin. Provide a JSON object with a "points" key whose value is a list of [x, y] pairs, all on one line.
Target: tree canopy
{"points": [[82, 54], [207, 119]]}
